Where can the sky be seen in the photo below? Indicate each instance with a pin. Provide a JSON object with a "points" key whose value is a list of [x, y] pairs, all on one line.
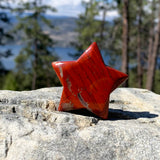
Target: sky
{"points": [[71, 8]]}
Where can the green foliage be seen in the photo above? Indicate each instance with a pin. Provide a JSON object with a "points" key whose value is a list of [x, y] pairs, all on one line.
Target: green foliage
{"points": [[132, 78], [115, 42], [87, 27], [10, 82], [5, 37], [148, 15], [2, 80], [33, 64], [17, 81], [157, 82]]}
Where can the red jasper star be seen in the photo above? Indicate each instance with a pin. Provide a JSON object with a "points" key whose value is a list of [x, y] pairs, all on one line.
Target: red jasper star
{"points": [[87, 82]]}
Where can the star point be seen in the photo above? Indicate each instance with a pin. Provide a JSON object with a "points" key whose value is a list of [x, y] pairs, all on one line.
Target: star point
{"points": [[87, 82]]}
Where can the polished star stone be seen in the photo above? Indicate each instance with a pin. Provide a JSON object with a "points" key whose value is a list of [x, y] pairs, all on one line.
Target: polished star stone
{"points": [[87, 82]]}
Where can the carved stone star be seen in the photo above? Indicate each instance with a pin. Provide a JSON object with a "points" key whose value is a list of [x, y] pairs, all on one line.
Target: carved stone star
{"points": [[87, 82]]}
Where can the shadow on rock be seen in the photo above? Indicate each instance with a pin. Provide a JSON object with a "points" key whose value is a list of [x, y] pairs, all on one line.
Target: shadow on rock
{"points": [[117, 114], [83, 112]]}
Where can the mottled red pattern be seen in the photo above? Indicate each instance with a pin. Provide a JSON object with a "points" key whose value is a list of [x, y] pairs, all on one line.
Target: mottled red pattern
{"points": [[87, 82]]}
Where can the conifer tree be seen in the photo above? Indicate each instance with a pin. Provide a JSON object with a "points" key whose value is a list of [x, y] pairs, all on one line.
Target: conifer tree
{"points": [[33, 64], [153, 51], [4, 38], [88, 27]]}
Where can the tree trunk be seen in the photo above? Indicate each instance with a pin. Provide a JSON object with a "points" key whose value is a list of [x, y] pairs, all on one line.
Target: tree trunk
{"points": [[152, 58], [125, 37], [35, 61], [139, 60], [34, 78], [103, 22]]}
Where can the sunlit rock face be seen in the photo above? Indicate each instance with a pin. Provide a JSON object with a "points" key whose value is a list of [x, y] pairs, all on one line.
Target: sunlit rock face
{"points": [[31, 128]]}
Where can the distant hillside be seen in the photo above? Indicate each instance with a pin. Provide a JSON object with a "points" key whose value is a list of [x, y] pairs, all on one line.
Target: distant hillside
{"points": [[63, 33]]}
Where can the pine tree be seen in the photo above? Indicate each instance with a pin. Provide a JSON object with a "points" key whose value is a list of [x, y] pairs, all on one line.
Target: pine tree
{"points": [[152, 56], [139, 43], [88, 27], [125, 37], [4, 38], [104, 7], [33, 64]]}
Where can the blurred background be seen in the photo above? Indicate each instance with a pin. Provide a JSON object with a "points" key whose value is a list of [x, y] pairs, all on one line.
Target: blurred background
{"points": [[33, 33]]}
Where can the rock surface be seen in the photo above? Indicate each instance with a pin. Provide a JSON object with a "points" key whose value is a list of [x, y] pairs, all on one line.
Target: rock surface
{"points": [[31, 129]]}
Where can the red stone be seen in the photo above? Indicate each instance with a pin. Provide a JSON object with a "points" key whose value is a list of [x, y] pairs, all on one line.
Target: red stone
{"points": [[87, 82]]}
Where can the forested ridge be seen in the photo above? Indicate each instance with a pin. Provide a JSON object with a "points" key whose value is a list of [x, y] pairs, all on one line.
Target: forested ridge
{"points": [[131, 40]]}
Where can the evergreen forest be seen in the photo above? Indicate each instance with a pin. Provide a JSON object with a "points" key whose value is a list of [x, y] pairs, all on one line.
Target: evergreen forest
{"points": [[130, 40]]}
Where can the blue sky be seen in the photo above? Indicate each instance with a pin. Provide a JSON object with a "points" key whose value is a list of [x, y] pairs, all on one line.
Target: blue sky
{"points": [[70, 8], [73, 8]]}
